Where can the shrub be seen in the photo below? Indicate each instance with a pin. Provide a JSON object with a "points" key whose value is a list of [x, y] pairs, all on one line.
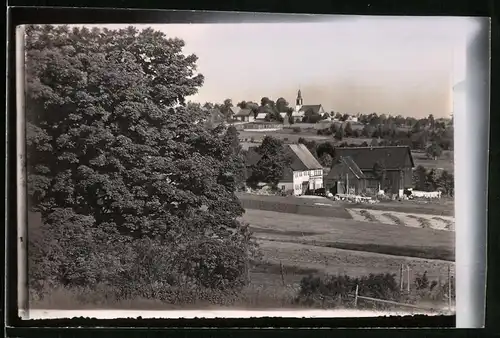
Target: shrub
{"points": [[297, 129], [334, 291], [215, 263]]}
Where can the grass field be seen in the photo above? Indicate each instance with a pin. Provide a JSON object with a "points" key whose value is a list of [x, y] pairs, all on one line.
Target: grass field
{"points": [[352, 234], [305, 244], [444, 162]]}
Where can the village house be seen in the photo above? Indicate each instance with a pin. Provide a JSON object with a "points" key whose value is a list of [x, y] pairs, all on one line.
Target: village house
{"points": [[300, 109], [243, 115], [303, 175], [353, 169]]}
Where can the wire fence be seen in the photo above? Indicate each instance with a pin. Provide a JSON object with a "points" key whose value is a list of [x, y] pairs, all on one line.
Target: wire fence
{"points": [[411, 284]]}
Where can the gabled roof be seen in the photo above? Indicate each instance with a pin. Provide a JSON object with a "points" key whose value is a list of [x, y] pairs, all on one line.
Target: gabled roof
{"points": [[301, 159], [234, 110], [307, 160], [345, 165], [261, 115], [393, 157], [243, 112], [314, 107]]}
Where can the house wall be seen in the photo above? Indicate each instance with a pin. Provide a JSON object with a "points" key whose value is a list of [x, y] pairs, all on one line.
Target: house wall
{"points": [[313, 177], [408, 177], [393, 179], [286, 186]]}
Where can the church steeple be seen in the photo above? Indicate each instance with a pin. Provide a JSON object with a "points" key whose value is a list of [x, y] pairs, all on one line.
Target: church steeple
{"points": [[298, 102]]}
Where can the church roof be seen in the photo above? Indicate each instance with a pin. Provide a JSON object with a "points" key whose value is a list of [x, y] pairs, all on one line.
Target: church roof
{"points": [[314, 107]]}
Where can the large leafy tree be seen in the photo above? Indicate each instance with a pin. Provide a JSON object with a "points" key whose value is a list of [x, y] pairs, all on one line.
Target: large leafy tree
{"points": [[272, 163], [109, 137]]}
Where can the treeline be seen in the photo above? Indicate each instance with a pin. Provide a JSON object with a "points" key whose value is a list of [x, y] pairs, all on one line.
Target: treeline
{"points": [[434, 180], [134, 196], [420, 136]]}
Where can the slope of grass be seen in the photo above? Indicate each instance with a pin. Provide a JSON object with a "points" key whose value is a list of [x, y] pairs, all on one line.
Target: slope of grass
{"points": [[352, 235]]}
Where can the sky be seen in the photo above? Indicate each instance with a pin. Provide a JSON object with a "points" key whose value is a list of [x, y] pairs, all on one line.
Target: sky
{"points": [[395, 65]]}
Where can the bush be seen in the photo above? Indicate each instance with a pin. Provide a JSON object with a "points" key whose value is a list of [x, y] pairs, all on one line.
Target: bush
{"points": [[335, 291], [215, 263], [297, 129]]}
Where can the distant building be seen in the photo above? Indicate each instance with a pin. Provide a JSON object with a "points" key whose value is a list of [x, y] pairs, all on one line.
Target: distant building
{"points": [[261, 116], [244, 115], [304, 173], [397, 162], [300, 109]]}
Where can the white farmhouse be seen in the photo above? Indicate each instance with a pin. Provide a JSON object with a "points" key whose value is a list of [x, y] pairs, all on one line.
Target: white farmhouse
{"points": [[303, 174], [244, 115]]}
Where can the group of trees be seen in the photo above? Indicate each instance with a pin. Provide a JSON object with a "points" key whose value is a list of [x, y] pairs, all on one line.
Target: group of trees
{"points": [[431, 137], [433, 180], [271, 109], [130, 190]]}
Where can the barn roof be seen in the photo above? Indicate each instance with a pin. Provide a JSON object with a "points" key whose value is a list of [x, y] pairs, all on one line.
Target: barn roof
{"points": [[391, 157], [343, 165]]}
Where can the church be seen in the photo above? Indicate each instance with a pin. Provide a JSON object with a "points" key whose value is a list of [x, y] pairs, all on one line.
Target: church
{"points": [[300, 109]]}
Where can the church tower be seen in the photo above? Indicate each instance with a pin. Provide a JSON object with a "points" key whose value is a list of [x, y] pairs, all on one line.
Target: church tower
{"points": [[298, 102]]}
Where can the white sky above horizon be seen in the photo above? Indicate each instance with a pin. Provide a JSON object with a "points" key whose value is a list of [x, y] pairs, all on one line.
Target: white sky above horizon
{"points": [[396, 65]]}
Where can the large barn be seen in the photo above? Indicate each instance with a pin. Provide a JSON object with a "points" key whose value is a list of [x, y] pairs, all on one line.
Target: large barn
{"points": [[396, 162]]}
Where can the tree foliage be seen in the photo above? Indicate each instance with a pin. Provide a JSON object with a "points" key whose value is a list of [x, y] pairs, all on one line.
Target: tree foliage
{"points": [[434, 151], [272, 163], [112, 145]]}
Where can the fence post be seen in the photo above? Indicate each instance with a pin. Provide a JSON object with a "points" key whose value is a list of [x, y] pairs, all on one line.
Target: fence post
{"points": [[282, 275], [356, 296], [408, 276], [401, 277], [449, 287]]}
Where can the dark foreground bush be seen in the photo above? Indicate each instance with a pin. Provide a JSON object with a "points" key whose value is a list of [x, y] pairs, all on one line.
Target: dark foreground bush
{"points": [[68, 252], [339, 291]]}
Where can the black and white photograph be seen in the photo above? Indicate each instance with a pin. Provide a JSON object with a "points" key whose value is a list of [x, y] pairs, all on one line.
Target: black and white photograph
{"points": [[292, 169]]}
